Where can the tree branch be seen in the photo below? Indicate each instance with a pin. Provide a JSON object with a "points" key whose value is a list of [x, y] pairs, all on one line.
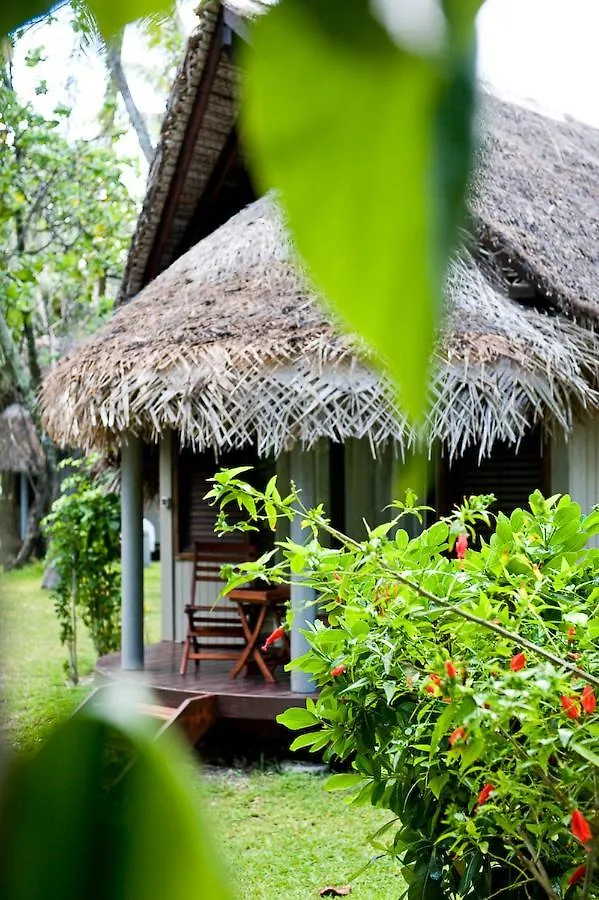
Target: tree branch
{"points": [[113, 58]]}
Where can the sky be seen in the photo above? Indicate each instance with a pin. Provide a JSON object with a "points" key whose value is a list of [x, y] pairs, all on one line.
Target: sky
{"points": [[541, 52], [545, 51]]}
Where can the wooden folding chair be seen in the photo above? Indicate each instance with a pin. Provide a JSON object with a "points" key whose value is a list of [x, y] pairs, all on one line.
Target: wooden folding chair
{"points": [[214, 632]]}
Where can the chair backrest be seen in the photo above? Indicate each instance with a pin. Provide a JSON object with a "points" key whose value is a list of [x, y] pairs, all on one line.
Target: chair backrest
{"points": [[210, 556]]}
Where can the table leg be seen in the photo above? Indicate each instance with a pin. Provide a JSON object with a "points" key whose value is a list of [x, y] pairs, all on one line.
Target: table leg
{"points": [[251, 638]]}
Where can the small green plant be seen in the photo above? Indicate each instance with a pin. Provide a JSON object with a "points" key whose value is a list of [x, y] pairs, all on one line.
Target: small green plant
{"points": [[83, 529], [461, 691]]}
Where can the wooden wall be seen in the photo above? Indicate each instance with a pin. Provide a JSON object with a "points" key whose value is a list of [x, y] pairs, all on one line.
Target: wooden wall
{"points": [[575, 467]]}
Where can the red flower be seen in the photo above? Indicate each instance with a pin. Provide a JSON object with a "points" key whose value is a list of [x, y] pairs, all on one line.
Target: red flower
{"points": [[461, 545], [484, 794], [450, 669], [580, 828], [517, 662], [434, 678], [275, 636], [458, 735], [338, 670], [571, 636], [587, 699], [578, 874], [570, 706]]}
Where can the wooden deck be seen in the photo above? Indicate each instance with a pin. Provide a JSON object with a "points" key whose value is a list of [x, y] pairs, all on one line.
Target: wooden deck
{"points": [[250, 698]]}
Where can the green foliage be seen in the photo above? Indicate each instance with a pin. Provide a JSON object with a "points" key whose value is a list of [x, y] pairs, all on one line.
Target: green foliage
{"points": [[63, 238], [108, 813], [111, 17], [456, 674], [83, 528], [366, 134]]}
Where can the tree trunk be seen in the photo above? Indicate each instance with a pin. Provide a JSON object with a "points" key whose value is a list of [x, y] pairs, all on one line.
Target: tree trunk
{"points": [[113, 57]]}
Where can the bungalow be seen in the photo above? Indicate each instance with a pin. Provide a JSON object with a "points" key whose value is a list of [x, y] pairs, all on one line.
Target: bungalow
{"points": [[220, 353], [21, 457]]}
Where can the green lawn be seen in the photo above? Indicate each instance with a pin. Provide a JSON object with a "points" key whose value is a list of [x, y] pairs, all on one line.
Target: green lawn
{"points": [[282, 835], [35, 692]]}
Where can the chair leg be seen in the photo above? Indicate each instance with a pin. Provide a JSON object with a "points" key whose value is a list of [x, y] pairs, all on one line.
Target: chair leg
{"points": [[186, 648]]}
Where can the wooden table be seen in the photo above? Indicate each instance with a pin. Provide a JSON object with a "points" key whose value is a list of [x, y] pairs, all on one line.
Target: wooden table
{"points": [[253, 606]]}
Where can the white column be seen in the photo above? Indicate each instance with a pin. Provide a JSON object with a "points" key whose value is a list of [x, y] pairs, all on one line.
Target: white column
{"points": [[132, 611], [24, 506], [303, 473], [167, 608]]}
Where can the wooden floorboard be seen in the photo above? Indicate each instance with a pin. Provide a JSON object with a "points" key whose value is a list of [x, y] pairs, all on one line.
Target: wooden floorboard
{"points": [[242, 698]]}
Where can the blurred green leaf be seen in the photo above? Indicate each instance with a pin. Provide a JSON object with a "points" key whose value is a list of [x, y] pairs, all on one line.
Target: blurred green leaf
{"points": [[104, 811], [14, 14], [112, 17], [370, 146]]}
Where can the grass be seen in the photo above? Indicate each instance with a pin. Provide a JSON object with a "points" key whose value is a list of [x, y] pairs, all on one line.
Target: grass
{"points": [[285, 836], [35, 690], [282, 834]]}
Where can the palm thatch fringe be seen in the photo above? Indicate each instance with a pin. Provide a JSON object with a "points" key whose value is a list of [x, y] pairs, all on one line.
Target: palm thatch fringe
{"points": [[20, 449], [230, 346]]}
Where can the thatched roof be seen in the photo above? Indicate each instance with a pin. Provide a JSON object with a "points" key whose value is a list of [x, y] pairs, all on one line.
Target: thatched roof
{"points": [[534, 202], [20, 449], [229, 346], [217, 121]]}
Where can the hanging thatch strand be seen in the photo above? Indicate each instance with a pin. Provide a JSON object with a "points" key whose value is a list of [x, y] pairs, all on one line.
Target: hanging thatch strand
{"points": [[229, 346], [20, 448]]}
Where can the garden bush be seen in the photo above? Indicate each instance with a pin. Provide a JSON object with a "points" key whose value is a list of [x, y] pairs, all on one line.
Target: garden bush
{"points": [[457, 676], [83, 528]]}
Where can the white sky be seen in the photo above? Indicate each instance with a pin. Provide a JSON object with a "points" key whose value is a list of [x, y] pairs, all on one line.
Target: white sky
{"points": [[539, 51], [545, 51]]}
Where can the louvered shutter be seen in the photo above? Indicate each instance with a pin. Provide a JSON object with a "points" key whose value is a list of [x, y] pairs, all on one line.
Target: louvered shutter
{"points": [[197, 518], [508, 474]]}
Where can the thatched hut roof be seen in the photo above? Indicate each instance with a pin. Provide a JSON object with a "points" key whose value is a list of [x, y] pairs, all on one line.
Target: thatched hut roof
{"points": [[229, 346], [20, 449], [217, 120], [534, 201]]}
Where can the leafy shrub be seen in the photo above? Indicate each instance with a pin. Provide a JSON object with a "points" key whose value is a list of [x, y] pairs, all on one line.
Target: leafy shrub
{"points": [[83, 528], [461, 691]]}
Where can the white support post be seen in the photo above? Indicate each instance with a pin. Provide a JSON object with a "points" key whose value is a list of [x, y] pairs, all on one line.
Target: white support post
{"points": [[24, 506], [167, 573], [132, 611], [303, 473]]}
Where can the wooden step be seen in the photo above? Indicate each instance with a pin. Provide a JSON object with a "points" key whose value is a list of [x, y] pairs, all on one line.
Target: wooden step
{"points": [[155, 711], [193, 716]]}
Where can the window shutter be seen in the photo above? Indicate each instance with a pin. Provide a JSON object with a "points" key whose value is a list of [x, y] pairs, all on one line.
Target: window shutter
{"points": [[510, 474]]}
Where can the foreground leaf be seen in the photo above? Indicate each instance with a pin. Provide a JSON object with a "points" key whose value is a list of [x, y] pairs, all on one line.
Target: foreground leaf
{"points": [[369, 143], [104, 811]]}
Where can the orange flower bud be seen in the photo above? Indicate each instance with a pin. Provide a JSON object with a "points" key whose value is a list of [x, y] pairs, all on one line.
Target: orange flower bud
{"points": [[461, 545], [450, 669], [587, 699], [458, 735], [484, 794], [517, 662], [578, 874], [580, 828], [570, 706]]}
